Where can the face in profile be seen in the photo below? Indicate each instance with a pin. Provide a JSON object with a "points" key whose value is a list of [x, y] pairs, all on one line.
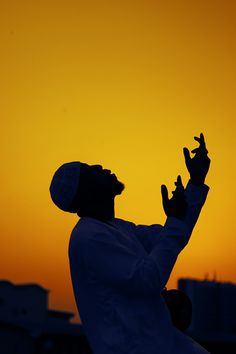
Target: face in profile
{"points": [[97, 189], [99, 182]]}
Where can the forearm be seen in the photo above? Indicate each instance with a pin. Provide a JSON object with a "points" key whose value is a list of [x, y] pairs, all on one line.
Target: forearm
{"points": [[174, 237], [196, 196], [129, 269]]}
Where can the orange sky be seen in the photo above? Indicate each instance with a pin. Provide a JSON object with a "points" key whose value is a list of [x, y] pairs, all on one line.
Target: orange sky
{"points": [[126, 84]]}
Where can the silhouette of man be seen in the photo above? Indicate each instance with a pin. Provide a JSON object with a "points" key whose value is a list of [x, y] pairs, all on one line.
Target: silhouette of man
{"points": [[119, 269]]}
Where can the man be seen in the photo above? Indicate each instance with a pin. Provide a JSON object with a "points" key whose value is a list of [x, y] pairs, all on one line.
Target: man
{"points": [[119, 269]]}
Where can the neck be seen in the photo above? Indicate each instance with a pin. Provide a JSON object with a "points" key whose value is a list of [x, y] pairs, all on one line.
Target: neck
{"points": [[106, 209], [103, 210]]}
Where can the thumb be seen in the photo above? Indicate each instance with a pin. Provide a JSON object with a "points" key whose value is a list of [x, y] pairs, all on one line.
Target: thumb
{"points": [[187, 156]]}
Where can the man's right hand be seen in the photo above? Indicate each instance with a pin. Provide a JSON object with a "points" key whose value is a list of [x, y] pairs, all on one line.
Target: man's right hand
{"points": [[177, 205]]}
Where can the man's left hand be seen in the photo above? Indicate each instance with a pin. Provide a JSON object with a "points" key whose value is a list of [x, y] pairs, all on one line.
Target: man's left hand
{"points": [[198, 165]]}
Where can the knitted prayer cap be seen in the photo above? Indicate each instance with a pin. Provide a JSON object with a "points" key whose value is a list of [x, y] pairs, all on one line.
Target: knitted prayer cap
{"points": [[64, 186]]}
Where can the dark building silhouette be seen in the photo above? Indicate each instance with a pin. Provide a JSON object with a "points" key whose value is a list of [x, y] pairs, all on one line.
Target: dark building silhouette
{"points": [[27, 326], [214, 313]]}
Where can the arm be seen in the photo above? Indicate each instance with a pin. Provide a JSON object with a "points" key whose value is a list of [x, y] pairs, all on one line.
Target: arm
{"points": [[150, 236], [195, 192], [196, 197], [128, 271]]}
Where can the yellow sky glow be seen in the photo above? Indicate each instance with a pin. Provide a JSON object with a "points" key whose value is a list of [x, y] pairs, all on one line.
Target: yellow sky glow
{"points": [[126, 84]]}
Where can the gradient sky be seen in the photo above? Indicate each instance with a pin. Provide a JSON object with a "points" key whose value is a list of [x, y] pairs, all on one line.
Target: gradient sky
{"points": [[126, 84]]}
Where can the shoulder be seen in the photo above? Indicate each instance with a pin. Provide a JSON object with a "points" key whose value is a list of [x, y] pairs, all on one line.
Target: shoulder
{"points": [[124, 223], [85, 228], [84, 231], [88, 229]]}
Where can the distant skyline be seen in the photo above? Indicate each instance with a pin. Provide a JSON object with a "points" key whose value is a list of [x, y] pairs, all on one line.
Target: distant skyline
{"points": [[126, 85], [185, 284], [28, 323]]}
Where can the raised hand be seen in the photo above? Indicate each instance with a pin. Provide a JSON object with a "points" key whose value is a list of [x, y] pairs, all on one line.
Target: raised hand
{"points": [[177, 205], [199, 164]]}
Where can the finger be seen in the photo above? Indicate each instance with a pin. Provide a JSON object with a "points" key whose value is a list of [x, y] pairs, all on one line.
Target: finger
{"points": [[179, 186], [194, 151], [203, 143], [197, 139], [200, 140], [164, 193], [178, 182], [201, 150], [187, 156], [201, 137]]}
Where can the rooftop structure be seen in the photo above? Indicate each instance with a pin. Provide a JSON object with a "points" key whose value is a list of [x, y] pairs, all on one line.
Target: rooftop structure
{"points": [[27, 326], [214, 307]]}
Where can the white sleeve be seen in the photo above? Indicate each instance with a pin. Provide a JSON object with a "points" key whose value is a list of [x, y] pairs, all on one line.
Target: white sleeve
{"points": [[119, 266], [149, 236], [196, 196]]}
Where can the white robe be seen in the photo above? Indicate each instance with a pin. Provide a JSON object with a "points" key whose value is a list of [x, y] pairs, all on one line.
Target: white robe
{"points": [[118, 271]]}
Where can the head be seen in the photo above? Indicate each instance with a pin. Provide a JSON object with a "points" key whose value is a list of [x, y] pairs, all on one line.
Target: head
{"points": [[84, 189]]}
